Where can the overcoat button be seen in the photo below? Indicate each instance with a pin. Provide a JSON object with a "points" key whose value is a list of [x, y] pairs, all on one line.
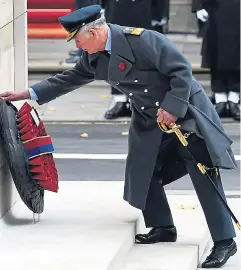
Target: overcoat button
{"points": [[157, 103], [142, 108], [146, 90], [131, 94], [135, 80]]}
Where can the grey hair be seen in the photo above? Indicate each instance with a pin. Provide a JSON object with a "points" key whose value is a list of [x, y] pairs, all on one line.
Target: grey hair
{"points": [[97, 24]]}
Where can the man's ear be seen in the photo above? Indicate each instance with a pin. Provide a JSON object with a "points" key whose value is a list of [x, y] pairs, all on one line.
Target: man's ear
{"points": [[92, 32]]}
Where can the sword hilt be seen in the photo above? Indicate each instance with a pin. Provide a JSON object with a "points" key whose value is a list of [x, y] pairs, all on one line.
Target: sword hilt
{"points": [[174, 129]]}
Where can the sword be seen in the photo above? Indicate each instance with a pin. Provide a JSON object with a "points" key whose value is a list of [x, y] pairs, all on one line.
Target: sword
{"points": [[175, 129]]}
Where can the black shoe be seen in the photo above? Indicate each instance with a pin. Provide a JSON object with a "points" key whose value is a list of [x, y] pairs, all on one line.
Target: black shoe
{"points": [[234, 110], [219, 256], [73, 59], [157, 234], [120, 109], [221, 109]]}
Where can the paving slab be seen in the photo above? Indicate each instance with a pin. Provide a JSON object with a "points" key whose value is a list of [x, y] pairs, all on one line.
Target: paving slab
{"points": [[193, 237], [191, 248], [234, 263]]}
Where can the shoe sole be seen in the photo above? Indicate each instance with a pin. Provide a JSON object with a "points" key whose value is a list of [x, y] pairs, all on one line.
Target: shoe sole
{"points": [[155, 242]]}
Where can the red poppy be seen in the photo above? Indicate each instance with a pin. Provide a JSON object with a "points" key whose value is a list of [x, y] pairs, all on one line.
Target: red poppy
{"points": [[122, 66]]}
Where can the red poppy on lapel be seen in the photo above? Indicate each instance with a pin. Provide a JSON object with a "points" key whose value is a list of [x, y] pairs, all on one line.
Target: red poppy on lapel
{"points": [[122, 65]]}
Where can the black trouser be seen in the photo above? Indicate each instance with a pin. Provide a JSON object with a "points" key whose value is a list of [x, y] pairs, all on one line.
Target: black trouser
{"points": [[225, 81], [114, 91], [157, 211]]}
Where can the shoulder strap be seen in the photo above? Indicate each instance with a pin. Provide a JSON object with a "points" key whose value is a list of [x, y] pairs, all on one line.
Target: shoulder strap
{"points": [[133, 31]]}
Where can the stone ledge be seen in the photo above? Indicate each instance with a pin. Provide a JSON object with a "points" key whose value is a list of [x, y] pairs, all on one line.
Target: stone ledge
{"points": [[87, 225], [186, 253], [84, 226]]}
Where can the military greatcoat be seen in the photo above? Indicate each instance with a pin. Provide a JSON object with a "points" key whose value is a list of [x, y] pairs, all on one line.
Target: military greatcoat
{"points": [[151, 71]]}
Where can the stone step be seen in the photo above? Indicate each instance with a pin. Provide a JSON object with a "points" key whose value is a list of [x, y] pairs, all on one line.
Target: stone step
{"points": [[181, 17], [185, 254], [86, 225], [234, 263], [162, 257]]}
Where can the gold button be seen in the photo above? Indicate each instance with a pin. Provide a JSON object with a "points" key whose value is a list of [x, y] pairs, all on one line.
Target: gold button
{"points": [[142, 108], [135, 80], [146, 90], [131, 94], [157, 103]]}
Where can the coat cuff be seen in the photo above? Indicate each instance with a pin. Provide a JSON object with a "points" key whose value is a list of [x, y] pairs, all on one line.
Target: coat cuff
{"points": [[44, 92], [174, 105]]}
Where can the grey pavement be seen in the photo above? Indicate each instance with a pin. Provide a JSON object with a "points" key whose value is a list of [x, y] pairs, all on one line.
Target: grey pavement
{"points": [[112, 139]]}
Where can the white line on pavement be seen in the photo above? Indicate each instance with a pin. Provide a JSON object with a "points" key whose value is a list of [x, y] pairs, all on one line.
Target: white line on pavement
{"points": [[237, 157], [100, 156], [90, 156]]}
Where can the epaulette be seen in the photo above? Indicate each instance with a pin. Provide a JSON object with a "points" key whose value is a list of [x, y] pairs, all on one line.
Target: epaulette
{"points": [[133, 31]]}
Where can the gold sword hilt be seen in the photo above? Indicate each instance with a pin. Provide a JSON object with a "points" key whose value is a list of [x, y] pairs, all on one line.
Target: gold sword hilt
{"points": [[174, 129]]}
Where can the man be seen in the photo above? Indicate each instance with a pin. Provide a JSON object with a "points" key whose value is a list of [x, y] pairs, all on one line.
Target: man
{"points": [[160, 15], [201, 15], [148, 68], [221, 51]]}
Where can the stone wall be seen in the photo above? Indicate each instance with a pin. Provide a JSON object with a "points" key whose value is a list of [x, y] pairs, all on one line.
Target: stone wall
{"points": [[181, 17], [13, 76]]}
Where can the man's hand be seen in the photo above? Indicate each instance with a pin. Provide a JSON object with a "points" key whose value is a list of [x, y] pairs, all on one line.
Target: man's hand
{"points": [[165, 117], [15, 96]]}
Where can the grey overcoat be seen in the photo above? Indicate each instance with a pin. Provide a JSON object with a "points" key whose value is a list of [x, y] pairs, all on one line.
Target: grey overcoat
{"points": [[152, 72]]}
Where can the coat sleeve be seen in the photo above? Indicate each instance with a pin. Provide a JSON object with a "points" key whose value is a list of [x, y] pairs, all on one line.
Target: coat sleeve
{"points": [[65, 82], [164, 55]]}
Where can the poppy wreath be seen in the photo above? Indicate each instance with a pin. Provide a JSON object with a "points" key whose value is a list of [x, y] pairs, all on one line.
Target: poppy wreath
{"points": [[28, 151]]}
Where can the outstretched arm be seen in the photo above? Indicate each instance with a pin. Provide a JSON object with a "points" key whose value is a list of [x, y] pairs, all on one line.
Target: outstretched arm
{"points": [[65, 82]]}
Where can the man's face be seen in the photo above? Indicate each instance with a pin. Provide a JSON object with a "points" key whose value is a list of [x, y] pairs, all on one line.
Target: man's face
{"points": [[91, 42]]}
